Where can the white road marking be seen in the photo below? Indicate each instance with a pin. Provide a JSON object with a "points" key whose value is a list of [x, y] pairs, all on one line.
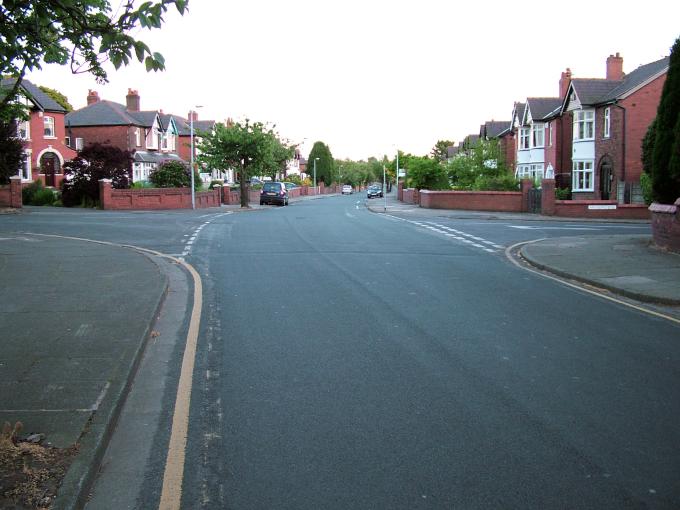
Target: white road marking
{"points": [[532, 227]]}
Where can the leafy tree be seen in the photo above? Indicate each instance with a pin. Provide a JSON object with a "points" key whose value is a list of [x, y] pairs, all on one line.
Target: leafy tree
{"points": [[661, 146], [82, 174], [482, 165], [58, 97], [440, 150], [174, 174], [82, 33], [281, 153], [245, 146], [426, 173], [12, 154], [325, 164]]}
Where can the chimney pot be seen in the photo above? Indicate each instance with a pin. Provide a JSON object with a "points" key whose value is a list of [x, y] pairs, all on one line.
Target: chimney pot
{"points": [[132, 100], [615, 67], [92, 97]]}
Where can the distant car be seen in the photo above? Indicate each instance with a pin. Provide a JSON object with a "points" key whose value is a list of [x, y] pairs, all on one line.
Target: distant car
{"points": [[374, 191], [290, 185], [347, 189], [274, 193]]}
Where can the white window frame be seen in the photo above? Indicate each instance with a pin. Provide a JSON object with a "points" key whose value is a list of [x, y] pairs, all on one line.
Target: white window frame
{"points": [[67, 141], [550, 134], [607, 122], [538, 135], [24, 130], [138, 137], [584, 125], [583, 175], [524, 137], [80, 143], [152, 138], [49, 125]]}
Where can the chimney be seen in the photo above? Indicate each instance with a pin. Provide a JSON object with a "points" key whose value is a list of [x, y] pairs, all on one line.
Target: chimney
{"points": [[192, 114], [615, 67], [92, 97], [565, 80], [132, 100]]}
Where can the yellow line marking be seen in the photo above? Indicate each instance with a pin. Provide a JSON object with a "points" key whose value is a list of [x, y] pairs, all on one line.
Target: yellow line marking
{"points": [[509, 249], [171, 493]]}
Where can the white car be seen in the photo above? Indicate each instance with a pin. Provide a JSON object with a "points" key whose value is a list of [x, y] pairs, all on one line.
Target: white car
{"points": [[347, 189]]}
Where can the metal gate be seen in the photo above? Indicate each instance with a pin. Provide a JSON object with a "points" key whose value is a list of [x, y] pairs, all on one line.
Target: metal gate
{"points": [[534, 201]]}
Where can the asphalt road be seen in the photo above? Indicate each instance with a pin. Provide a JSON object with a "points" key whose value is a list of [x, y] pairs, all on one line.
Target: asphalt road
{"points": [[353, 360]]}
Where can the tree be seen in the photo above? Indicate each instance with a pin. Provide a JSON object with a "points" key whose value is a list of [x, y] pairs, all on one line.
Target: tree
{"points": [[425, 173], [12, 154], [661, 146], [281, 153], [324, 166], [58, 97], [245, 146], [82, 174], [483, 164], [174, 174], [440, 150], [82, 33]]}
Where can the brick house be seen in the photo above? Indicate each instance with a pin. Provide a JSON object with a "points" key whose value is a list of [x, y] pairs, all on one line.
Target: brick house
{"points": [[184, 144], [43, 136], [151, 136], [609, 119], [501, 131], [537, 135]]}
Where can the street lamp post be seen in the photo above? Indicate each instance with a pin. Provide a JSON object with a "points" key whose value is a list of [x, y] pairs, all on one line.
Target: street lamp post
{"points": [[385, 187], [192, 113], [397, 173], [315, 160]]}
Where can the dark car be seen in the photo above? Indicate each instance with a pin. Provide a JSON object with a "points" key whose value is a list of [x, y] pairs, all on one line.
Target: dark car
{"points": [[274, 193], [374, 191]]}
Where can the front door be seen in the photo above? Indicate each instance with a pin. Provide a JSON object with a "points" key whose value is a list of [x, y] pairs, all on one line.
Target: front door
{"points": [[605, 180], [48, 166]]}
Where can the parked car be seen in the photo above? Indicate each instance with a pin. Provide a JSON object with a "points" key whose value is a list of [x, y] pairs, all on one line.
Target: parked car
{"points": [[274, 193], [374, 191], [347, 189], [290, 185]]}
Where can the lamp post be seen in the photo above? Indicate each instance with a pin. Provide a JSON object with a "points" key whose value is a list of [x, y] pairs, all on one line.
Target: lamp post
{"points": [[315, 160], [385, 187], [397, 173], [192, 113]]}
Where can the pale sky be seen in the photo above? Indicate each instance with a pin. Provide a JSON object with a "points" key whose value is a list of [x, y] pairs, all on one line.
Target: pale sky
{"points": [[365, 76]]}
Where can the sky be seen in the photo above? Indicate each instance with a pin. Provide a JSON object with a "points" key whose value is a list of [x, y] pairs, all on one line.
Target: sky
{"points": [[367, 77]]}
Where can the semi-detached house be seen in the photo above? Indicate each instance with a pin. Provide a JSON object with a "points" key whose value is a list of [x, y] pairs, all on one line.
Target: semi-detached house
{"points": [[42, 135], [609, 119], [151, 136]]}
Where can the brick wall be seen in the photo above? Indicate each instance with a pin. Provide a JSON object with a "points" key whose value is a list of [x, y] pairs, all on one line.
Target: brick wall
{"points": [[10, 195], [154, 198], [504, 201], [609, 149], [640, 112], [122, 137], [666, 225]]}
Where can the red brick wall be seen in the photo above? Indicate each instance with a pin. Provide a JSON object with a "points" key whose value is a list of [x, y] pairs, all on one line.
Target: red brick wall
{"points": [[122, 137], [508, 150], [563, 136], [507, 201], [640, 112], [666, 225], [609, 148], [10, 195], [580, 209], [155, 198]]}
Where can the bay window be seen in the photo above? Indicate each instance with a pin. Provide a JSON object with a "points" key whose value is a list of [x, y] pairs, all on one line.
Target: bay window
{"points": [[582, 175]]}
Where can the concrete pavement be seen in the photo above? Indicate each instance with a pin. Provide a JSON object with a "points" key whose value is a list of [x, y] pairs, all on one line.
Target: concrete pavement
{"points": [[75, 317]]}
